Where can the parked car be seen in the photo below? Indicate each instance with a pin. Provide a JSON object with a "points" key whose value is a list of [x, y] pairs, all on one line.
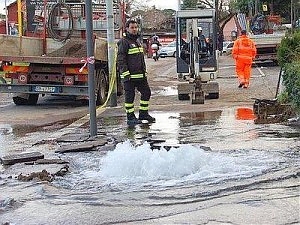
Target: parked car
{"points": [[168, 50], [227, 47]]}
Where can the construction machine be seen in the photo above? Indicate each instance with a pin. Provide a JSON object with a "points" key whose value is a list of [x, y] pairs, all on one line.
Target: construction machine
{"points": [[196, 53]]}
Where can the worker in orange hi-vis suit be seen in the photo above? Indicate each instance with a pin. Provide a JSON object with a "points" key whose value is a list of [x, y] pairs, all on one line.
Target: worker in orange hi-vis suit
{"points": [[244, 52]]}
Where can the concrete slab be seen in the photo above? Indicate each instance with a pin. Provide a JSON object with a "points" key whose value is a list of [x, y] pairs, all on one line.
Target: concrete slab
{"points": [[47, 161], [19, 158], [86, 146], [71, 137]]}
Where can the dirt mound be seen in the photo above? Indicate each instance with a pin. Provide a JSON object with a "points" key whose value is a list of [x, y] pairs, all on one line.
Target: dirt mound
{"points": [[73, 48]]}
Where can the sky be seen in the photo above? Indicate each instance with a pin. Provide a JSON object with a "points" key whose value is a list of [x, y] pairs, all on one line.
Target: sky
{"points": [[2, 5], [160, 4], [164, 4]]}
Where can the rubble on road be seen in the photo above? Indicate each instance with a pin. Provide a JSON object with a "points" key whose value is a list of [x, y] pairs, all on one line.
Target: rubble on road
{"points": [[272, 111]]}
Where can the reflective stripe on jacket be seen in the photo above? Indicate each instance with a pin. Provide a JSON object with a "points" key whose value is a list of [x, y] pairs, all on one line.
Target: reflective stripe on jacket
{"points": [[244, 49], [130, 59]]}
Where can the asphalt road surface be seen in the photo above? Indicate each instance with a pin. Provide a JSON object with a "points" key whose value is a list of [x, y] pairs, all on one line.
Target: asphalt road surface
{"points": [[219, 168]]}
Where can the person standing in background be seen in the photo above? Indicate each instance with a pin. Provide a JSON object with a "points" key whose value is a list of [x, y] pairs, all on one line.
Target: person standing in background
{"points": [[220, 41], [244, 52], [202, 41]]}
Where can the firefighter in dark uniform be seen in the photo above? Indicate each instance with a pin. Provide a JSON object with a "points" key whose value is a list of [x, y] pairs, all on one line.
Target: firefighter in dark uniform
{"points": [[132, 68]]}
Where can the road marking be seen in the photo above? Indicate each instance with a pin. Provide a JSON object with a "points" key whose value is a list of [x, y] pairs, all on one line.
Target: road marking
{"points": [[227, 67], [2, 106], [261, 72]]}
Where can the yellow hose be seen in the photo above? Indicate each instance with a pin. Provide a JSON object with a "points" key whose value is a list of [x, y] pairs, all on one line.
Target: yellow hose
{"points": [[113, 78]]}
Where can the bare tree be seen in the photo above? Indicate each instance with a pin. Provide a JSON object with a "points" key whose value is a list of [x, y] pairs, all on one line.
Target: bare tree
{"points": [[133, 5], [154, 19], [224, 12]]}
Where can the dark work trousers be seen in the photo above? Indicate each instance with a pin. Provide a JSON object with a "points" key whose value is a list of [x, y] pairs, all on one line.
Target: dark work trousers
{"points": [[141, 85]]}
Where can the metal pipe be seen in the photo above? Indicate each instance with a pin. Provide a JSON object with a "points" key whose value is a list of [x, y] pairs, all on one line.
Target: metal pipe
{"points": [[91, 68], [6, 18], [45, 28], [256, 7], [293, 15], [20, 21], [111, 49]]}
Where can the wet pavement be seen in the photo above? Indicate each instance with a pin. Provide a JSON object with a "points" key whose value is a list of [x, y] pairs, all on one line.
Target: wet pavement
{"points": [[198, 164], [196, 168]]}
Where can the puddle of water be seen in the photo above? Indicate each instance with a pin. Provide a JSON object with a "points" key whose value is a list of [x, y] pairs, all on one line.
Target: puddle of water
{"points": [[199, 118], [210, 146], [245, 114], [167, 91], [232, 128]]}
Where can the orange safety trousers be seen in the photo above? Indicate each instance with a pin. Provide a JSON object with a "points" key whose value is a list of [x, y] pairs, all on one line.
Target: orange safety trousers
{"points": [[243, 71]]}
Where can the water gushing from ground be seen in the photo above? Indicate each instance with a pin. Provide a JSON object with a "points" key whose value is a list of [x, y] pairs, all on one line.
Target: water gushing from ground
{"points": [[131, 165]]}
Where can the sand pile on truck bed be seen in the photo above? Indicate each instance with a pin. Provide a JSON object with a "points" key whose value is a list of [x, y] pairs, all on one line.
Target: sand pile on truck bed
{"points": [[77, 48], [72, 48]]}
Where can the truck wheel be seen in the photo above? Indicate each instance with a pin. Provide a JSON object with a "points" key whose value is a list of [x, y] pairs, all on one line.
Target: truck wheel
{"points": [[101, 86], [32, 100], [213, 95]]}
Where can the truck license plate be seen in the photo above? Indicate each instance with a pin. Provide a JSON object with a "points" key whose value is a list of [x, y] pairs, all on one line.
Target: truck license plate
{"points": [[44, 89]]}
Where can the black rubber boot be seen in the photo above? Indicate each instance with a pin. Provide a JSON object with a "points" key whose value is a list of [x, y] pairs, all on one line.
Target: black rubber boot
{"points": [[132, 120], [144, 115]]}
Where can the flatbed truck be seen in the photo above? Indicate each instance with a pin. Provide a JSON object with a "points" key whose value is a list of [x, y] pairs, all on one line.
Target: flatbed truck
{"points": [[60, 71]]}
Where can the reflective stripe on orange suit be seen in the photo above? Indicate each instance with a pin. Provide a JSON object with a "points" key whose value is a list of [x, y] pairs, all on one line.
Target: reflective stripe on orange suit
{"points": [[243, 51]]}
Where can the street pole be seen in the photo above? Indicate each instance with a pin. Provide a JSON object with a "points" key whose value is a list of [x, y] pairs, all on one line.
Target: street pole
{"points": [[111, 50], [6, 18], [256, 7], [217, 14], [20, 20], [250, 11], [45, 28], [292, 16], [91, 68]]}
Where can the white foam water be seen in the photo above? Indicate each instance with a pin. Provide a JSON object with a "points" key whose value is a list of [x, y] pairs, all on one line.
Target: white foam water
{"points": [[133, 164]]}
